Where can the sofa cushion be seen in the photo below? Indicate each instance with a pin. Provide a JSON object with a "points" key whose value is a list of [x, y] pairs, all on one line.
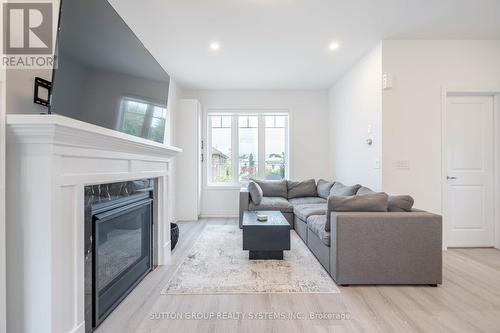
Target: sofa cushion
{"points": [[255, 191], [306, 201], [272, 188], [342, 190], [323, 187], [400, 203], [365, 190], [304, 211], [272, 203], [316, 223], [306, 188], [376, 202]]}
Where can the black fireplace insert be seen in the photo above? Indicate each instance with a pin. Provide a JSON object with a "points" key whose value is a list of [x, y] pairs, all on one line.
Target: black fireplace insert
{"points": [[119, 245]]}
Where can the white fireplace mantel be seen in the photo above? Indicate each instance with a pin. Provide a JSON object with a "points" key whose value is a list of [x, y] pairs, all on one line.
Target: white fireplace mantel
{"points": [[50, 159]]}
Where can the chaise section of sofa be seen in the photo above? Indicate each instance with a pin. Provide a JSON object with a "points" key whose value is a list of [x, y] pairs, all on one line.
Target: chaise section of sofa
{"points": [[386, 248], [280, 195]]}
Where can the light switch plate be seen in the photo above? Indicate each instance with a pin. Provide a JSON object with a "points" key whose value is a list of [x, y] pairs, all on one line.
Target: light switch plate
{"points": [[386, 81], [402, 164]]}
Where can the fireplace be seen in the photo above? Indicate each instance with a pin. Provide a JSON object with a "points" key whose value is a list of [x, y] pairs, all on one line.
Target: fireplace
{"points": [[118, 244], [51, 161]]}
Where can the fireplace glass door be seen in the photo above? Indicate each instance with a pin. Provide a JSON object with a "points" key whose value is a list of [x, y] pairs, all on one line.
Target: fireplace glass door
{"points": [[121, 252]]}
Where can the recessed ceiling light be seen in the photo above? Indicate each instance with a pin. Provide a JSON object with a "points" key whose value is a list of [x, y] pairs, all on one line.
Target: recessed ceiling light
{"points": [[214, 46], [333, 46]]}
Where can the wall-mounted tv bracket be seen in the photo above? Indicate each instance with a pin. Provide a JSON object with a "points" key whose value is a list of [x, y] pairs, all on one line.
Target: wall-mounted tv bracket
{"points": [[39, 85]]}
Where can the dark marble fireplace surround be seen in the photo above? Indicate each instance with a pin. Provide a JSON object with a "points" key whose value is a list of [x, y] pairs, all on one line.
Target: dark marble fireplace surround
{"points": [[119, 243]]}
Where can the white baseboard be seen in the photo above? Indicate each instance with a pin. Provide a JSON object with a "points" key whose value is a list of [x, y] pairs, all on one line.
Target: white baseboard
{"points": [[79, 329], [166, 254], [219, 215]]}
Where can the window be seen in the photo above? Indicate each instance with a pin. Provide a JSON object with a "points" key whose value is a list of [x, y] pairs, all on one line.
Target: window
{"points": [[143, 119], [248, 143], [221, 171], [244, 146]]}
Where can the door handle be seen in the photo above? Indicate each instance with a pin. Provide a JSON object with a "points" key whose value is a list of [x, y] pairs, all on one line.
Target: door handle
{"points": [[450, 178]]}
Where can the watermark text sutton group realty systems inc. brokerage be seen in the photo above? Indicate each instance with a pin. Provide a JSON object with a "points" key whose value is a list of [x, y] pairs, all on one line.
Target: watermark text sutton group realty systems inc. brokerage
{"points": [[28, 35]]}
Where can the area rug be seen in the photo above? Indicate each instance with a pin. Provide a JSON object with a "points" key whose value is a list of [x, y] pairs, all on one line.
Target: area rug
{"points": [[216, 264]]}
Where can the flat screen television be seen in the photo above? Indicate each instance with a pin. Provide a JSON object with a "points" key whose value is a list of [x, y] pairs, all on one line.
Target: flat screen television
{"points": [[105, 76]]}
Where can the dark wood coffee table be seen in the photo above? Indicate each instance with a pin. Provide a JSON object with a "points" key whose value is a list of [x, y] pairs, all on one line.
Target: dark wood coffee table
{"points": [[265, 240]]}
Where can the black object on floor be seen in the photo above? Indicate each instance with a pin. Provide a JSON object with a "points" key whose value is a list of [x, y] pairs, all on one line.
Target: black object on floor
{"points": [[265, 255], [174, 235]]}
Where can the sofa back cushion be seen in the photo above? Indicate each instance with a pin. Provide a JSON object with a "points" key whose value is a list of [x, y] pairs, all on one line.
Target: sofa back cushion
{"points": [[397, 203], [306, 188], [272, 188], [323, 187], [400, 203], [364, 190], [376, 202], [255, 191], [341, 190]]}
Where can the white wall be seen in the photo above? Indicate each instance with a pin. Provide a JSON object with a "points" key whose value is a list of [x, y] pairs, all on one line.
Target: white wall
{"points": [[174, 95], [355, 105], [412, 109], [308, 136], [19, 90]]}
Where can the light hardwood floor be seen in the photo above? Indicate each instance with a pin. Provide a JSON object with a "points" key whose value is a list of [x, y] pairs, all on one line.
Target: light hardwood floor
{"points": [[467, 301]]}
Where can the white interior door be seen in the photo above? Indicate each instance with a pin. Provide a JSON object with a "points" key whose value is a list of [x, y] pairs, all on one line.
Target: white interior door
{"points": [[469, 198]]}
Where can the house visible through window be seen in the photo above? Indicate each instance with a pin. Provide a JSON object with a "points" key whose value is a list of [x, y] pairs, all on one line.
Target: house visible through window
{"points": [[244, 146], [143, 119]]}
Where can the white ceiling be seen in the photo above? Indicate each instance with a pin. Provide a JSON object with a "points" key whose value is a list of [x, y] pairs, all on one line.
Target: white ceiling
{"points": [[283, 44]]}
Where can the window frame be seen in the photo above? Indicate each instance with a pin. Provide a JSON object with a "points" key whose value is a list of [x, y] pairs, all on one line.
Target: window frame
{"points": [[235, 113]]}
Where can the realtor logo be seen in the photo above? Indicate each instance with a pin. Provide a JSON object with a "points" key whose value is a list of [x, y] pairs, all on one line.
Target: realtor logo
{"points": [[27, 28]]}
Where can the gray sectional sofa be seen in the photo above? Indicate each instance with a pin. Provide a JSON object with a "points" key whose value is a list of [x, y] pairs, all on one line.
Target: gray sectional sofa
{"points": [[359, 236]]}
